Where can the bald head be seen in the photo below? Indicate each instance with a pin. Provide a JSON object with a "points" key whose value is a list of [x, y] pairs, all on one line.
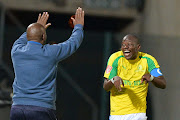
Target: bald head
{"points": [[36, 32], [132, 38], [130, 47]]}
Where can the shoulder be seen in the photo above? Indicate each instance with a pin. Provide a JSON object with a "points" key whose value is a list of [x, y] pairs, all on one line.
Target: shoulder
{"points": [[117, 55], [146, 56], [52, 46], [52, 49], [151, 61], [114, 58]]}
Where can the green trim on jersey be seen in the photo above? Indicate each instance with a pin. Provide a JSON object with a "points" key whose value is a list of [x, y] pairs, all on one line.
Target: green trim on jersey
{"points": [[151, 64], [114, 69]]}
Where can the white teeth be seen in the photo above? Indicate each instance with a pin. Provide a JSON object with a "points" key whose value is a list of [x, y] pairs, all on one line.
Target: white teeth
{"points": [[127, 51]]}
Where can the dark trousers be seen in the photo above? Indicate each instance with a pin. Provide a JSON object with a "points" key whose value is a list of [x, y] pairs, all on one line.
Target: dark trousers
{"points": [[28, 112]]}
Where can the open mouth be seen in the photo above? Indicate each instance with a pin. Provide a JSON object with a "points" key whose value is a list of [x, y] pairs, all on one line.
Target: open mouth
{"points": [[127, 52]]}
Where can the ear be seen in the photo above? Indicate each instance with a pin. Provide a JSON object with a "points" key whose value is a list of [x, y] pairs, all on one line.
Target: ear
{"points": [[43, 37], [139, 47]]}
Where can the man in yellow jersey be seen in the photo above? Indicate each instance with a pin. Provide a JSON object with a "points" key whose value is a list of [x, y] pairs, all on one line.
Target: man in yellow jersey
{"points": [[126, 77]]}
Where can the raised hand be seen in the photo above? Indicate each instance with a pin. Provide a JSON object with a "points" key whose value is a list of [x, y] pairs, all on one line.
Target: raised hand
{"points": [[42, 19], [79, 17]]}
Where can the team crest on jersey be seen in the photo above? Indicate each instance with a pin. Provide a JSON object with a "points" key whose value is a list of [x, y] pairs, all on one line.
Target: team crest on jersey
{"points": [[140, 69], [108, 69]]}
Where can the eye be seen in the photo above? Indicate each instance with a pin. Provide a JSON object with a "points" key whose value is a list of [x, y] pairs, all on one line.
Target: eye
{"points": [[123, 45], [131, 45]]}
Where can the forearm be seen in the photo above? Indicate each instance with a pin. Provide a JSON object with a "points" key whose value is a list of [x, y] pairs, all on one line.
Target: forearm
{"points": [[107, 85], [76, 37], [68, 47], [159, 82]]}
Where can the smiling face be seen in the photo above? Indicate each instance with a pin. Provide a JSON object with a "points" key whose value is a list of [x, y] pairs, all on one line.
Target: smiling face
{"points": [[130, 47]]}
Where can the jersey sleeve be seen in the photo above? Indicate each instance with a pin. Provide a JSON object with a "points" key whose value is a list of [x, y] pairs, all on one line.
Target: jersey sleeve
{"points": [[152, 63], [111, 69]]}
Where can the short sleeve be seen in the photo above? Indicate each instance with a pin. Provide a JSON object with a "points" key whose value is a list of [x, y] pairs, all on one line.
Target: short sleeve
{"points": [[152, 63], [112, 65]]}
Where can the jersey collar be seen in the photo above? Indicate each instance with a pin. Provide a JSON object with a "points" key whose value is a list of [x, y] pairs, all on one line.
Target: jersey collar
{"points": [[34, 42], [135, 60]]}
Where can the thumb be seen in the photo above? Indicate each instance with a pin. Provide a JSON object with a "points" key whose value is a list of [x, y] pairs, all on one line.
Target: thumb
{"points": [[73, 20], [122, 83], [47, 25]]}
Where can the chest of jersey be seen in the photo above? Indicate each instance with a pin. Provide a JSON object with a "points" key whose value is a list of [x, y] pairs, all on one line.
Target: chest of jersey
{"points": [[132, 70]]}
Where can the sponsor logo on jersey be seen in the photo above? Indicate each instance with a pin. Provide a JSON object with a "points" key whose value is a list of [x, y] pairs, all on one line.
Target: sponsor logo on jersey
{"points": [[108, 69]]}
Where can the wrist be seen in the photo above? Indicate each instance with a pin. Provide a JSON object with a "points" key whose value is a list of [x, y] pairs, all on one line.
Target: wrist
{"points": [[112, 80], [151, 78]]}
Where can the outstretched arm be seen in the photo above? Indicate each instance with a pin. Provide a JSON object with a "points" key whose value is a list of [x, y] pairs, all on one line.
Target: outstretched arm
{"points": [[68, 47]]}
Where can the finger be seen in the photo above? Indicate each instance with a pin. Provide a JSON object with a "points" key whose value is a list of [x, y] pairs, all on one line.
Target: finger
{"points": [[43, 15], [122, 83], [39, 17], [45, 18], [73, 20], [47, 25], [119, 88], [76, 13], [142, 81], [146, 81], [80, 12], [143, 76]]}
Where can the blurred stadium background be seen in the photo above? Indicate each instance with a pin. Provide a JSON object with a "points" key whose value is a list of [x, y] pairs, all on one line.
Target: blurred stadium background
{"points": [[80, 95]]}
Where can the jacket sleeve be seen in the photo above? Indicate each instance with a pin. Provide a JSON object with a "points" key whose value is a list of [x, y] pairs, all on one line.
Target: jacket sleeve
{"points": [[67, 48], [21, 41]]}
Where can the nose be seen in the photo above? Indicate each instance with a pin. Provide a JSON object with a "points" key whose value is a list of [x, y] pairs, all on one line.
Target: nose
{"points": [[125, 46]]}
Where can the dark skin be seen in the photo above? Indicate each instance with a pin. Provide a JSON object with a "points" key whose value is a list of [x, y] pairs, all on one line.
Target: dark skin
{"points": [[37, 31], [130, 47], [159, 82]]}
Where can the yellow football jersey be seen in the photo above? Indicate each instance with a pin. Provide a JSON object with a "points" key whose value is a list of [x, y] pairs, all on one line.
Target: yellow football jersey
{"points": [[132, 98]]}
